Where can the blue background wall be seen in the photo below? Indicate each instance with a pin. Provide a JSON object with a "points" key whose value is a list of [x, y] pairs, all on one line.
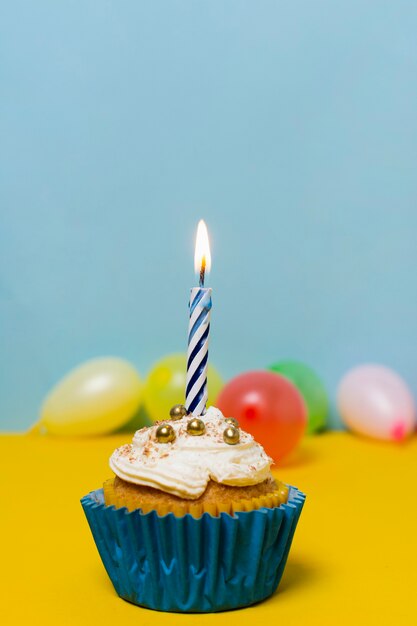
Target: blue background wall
{"points": [[290, 127]]}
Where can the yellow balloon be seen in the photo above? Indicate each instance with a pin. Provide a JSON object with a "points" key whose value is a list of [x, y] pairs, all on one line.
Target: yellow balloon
{"points": [[165, 386], [92, 399]]}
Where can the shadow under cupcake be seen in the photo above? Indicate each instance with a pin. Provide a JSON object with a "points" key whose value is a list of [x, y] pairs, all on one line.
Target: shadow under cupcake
{"points": [[193, 520]]}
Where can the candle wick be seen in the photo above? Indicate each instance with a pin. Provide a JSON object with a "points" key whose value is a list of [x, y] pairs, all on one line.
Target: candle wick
{"points": [[202, 271]]}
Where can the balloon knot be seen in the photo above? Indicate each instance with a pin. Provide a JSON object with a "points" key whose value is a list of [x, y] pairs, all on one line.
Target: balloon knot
{"points": [[250, 412], [398, 431]]}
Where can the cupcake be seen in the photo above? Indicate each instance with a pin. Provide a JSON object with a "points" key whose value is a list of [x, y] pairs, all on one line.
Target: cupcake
{"points": [[193, 519]]}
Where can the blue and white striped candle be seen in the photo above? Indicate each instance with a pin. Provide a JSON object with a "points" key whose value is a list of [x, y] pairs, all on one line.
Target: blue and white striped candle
{"points": [[196, 392]]}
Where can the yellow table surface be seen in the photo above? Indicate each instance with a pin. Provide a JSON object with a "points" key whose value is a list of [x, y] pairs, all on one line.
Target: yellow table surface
{"points": [[353, 559]]}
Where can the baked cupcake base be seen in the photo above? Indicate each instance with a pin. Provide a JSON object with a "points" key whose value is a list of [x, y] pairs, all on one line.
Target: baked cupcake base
{"points": [[216, 499], [184, 564]]}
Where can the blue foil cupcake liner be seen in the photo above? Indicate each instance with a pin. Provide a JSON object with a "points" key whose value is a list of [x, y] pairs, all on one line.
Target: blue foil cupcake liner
{"points": [[185, 564]]}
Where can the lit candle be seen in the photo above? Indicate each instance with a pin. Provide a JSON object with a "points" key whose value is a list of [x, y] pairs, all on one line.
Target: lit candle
{"points": [[196, 393]]}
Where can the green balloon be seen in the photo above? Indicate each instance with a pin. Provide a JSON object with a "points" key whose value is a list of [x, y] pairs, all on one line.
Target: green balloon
{"points": [[139, 420], [310, 387]]}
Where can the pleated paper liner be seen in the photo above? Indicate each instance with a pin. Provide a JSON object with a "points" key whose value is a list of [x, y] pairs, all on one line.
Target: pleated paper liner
{"points": [[185, 564], [270, 500]]}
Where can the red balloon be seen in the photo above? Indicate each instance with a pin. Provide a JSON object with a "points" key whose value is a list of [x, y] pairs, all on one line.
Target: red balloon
{"points": [[269, 407]]}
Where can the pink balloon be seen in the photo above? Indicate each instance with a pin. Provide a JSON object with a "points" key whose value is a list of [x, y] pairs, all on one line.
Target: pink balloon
{"points": [[374, 401]]}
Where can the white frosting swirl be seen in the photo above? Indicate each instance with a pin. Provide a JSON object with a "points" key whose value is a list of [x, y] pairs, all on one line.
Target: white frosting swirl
{"points": [[185, 466]]}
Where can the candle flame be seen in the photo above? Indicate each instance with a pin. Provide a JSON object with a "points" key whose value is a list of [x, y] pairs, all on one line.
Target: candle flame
{"points": [[202, 256]]}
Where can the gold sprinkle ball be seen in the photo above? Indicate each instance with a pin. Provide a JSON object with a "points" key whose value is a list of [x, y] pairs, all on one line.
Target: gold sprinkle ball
{"points": [[231, 435], [177, 412], [232, 421], [196, 427], [165, 433]]}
